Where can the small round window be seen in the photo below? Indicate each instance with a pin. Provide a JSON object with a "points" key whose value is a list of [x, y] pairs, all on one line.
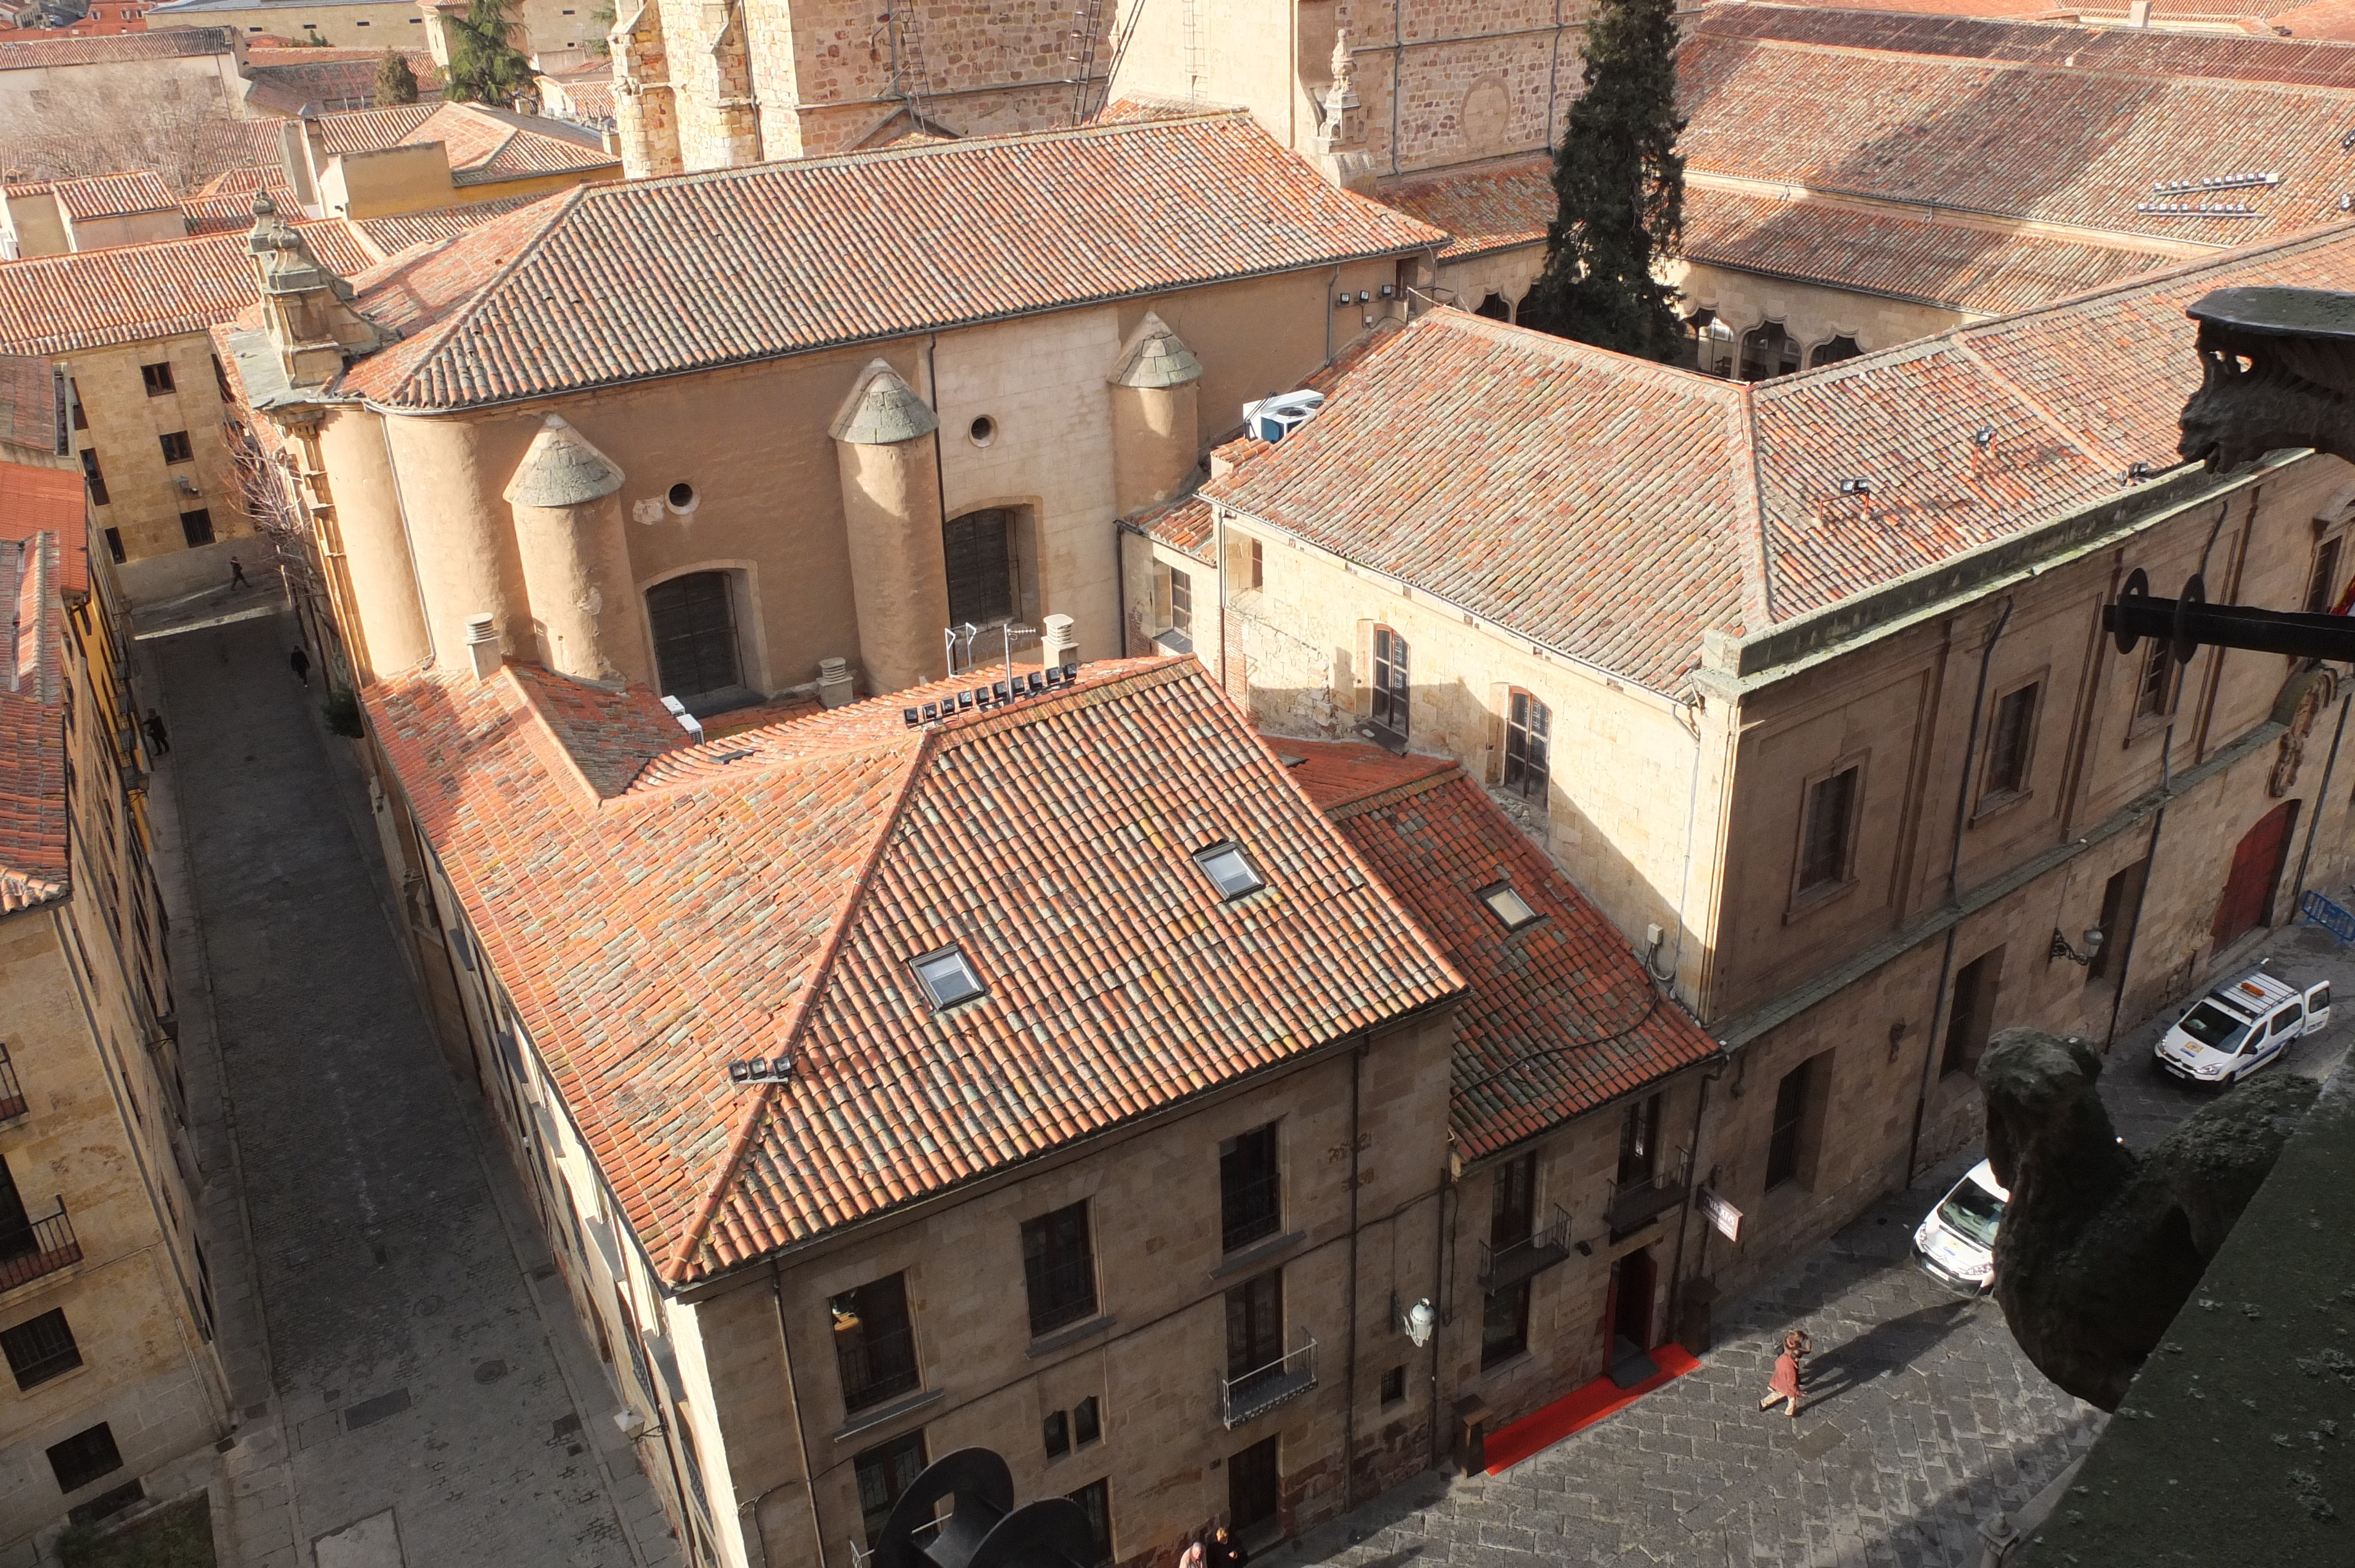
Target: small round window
{"points": [[682, 498], [983, 430]]}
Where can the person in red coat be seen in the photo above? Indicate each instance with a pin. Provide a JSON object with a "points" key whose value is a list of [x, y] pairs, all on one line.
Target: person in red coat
{"points": [[1785, 1386]]}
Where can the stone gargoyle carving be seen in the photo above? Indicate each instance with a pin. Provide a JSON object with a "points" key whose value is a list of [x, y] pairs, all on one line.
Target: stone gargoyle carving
{"points": [[2277, 369], [2100, 1247]]}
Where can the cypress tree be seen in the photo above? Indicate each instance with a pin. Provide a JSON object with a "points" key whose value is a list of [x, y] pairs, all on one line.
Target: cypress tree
{"points": [[1621, 184], [485, 67], [395, 82]]}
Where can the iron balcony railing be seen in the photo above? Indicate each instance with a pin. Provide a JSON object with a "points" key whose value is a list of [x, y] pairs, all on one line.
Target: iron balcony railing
{"points": [[1260, 1389], [1502, 1268], [42, 1247], [1638, 1203], [12, 1093]]}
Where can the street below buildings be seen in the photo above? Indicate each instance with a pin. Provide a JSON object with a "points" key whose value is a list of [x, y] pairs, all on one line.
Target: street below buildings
{"points": [[412, 1386], [1923, 1419]]}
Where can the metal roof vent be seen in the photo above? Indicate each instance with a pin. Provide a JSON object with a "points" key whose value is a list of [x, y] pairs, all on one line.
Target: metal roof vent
{"points": [[1273, 418]]}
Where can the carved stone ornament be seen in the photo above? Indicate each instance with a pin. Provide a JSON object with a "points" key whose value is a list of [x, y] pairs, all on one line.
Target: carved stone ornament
{"points": [[2278, 370], [2301, 702]]}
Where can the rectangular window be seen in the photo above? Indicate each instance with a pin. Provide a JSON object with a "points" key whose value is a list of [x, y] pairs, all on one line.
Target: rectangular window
{"points": [[196, 526], [884, 1472], [1057, 1433], [1790, 1117], [1095, 1503], [1060, 1267], [1391, 683], [2322, 588], [175, 447], [1181, 602], [1258, 565], [1250, 1189], [1970, 1017], [1255, 1324], [1505, 1325], [114, 545], [874, 1342], [1528, 731], [2155, 693], [1393, 1386], [2010, 741], [158, 379], [85, 1456], [2121, 909], [1639, 1141], [1512, 1202], [96, 481], [1823, 839], [1087, 1422], [40, 1349]]}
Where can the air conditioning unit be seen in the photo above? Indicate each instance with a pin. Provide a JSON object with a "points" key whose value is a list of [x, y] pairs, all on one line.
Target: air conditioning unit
{"points": [[1273, 418]]}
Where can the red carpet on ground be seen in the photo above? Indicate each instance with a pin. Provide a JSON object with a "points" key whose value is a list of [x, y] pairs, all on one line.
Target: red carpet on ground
{"points": [[1533, 1434]]}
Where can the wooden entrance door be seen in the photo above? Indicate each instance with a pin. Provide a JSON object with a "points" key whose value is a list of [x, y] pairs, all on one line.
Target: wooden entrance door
{"points": [[2256, 871], [1633, 1281], [1253, 1488]]}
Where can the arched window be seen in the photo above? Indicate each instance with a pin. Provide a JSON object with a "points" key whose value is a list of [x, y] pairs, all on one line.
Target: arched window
{"points": [[1833, 350], [1768, 351], [1497, 308], [1529, 735], [1388, 710], [979, 552], [694, 622], [1708, 348]]}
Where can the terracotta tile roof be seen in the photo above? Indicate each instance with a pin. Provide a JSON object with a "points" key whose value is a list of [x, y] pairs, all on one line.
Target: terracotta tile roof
{"points": [[390, 236], [1560, 1019], [237, 144], [233, 210], [286, 80], [2325, 19], [1886, 252], [1613, 509], [483, 145], [41, 519], [133, 293], [1183, 525], [1498, 206], [114, 195], [28, 403], [269, 176], [162, 43], [762, 895], [2058, 124], [368, 130], [658, 277]]}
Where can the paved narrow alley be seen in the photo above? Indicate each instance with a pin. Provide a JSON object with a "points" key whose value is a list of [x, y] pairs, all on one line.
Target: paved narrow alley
{"points": [[413, 1387]]}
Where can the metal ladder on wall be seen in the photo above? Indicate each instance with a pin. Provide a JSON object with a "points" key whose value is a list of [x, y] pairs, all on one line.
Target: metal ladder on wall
{"points": [[902, 29]]}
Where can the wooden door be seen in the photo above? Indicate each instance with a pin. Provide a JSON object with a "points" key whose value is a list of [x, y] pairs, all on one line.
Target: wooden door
{"points": [[1631, 1306], [1252, 1487], [2256, 870]]}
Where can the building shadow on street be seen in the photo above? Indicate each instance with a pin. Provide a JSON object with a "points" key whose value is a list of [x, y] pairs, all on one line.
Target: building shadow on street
{"points": [[1885, 1348]]}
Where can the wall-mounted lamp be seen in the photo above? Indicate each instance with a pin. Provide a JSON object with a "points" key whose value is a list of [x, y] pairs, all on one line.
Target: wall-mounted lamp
{"points": [[1364, 295], [1417, 1322], [1344, 300], [1388, 290], [2061, 949]]}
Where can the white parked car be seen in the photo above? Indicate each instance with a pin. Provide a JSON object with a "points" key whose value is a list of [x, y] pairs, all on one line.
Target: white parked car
{"points": [[2240, 1026], [1957, 1243]]}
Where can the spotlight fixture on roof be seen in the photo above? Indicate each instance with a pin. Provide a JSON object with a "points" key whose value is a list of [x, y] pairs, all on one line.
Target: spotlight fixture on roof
{"points": [[761, 1070], [1983, 437], [2136, 472], [2346, 142], [2347, 201], [2215, 183], [2194, 209], [1856, 487], [1027, 684]]}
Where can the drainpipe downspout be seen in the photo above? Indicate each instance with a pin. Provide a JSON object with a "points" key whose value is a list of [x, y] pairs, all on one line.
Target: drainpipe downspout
{"points": [[2321, 799], [1692, 1190], [1349, 1410], [1934, 1037], [1440, 1297]]}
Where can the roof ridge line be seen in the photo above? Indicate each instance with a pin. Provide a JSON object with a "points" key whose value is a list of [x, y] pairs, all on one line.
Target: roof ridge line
{"points": [[690, 1241], [1750, 508], [2033, 404], [1391, 794], [442, 332], [968, 730]]}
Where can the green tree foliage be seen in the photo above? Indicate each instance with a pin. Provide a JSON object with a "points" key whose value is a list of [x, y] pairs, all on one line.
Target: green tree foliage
{"points": [[1621, 184], [395, 82], [485, 66]]}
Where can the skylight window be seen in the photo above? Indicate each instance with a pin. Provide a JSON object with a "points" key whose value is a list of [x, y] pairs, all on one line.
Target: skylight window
{"points": [[1509, 907], [947, 977], [1230, 870]]}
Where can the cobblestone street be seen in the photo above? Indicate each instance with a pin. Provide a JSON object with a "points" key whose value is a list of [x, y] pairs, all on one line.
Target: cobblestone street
{"points": [[413, 1387], [1925, 1420]]}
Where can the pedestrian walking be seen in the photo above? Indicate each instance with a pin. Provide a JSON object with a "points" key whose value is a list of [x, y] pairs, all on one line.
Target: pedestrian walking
{"points": [[158, 740], [237, 575], [1192, 1556], [1786, 1384], [1226, 1551], [300, 662]]}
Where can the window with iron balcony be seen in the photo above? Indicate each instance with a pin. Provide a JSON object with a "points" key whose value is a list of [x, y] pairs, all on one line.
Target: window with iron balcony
{"points": [[874, 1342]]}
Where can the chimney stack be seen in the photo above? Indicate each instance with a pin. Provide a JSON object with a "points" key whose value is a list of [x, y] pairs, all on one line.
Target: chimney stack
{"points": [[1059, 644], [483, 645]]}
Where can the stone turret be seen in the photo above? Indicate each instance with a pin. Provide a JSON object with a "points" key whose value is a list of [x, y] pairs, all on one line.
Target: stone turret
{"points": [[306, 307], [576, 558], [1156, 417], [886, 445], [1341, 153]]}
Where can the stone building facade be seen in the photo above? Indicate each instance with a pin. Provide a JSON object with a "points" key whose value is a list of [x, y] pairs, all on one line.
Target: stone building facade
{"points": [[105, 1311], [1849, 780]]}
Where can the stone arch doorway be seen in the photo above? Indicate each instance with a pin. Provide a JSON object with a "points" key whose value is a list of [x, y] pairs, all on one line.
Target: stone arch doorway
{"points": [[2256, 871], [1767, 351], [697, 655], [1497, 308]]}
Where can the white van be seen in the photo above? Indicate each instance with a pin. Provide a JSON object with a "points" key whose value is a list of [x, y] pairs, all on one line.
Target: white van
{"points": [[2240, 1026], [1955, 1244]]}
